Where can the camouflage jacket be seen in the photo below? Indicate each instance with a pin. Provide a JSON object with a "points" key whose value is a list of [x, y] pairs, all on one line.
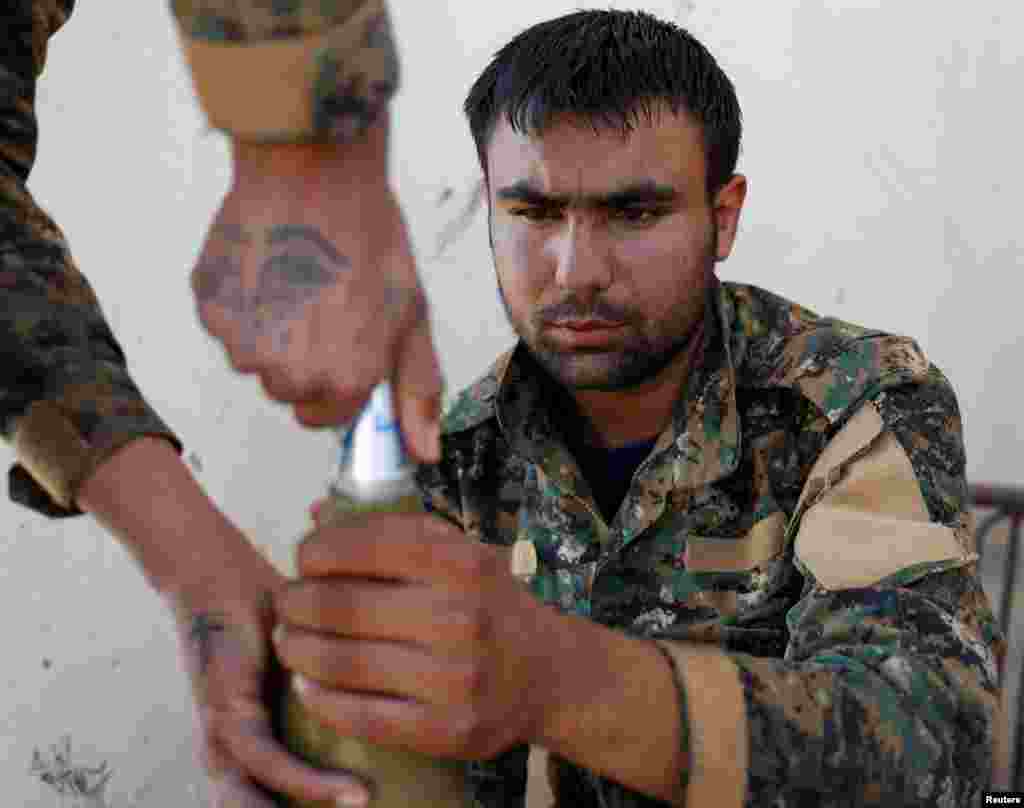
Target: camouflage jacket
{"points": [[798, 543], [67, 401]]}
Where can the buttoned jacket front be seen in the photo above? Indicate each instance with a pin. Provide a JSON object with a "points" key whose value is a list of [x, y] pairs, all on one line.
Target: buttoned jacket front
{"points": [[802, 518]]}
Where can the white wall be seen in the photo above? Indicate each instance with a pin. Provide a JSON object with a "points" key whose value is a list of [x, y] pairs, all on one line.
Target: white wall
{"points": [[881, 146]]}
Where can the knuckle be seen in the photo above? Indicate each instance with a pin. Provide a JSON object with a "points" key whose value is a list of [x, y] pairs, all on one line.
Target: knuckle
{"points": [[311, 417], [477, 564], [369, 723], [470, 738], [349, 390], [478, 622], [309, 554], [470, 562], [303, 653], [337, 668], [440, 530], [323, 658], [285, 600], [471, 681], [243, 360], [455, 618], [307, 605], [322, 663], [466, 619], [489, 562], [272, 389], [424, 555], [324, 604], [284, 383], [214, 727], [211, 760]]}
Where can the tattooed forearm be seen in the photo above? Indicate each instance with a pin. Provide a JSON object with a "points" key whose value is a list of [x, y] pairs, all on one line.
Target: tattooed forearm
{"points": [[201, 635]]}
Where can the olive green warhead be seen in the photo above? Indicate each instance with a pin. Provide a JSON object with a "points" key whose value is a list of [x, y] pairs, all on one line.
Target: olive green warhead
{"points": [[373, 474]]}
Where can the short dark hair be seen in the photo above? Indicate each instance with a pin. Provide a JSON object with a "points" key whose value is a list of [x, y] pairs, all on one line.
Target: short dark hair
{"points": [[608, 67]]}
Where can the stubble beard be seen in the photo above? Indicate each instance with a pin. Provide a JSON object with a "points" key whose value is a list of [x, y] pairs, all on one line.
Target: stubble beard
{"points": [[640, 359]]}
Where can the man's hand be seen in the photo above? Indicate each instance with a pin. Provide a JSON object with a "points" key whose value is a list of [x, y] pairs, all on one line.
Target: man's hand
{"points": [[219, 587], [227, 653], [409, 634], [308, 280]]}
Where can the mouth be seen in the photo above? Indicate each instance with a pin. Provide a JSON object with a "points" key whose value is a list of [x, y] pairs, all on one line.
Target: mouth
{"points": [[585, 325], [585, 333]]}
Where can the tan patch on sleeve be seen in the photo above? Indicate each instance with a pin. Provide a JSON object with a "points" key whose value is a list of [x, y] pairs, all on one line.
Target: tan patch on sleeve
{"points": [[835, 468], [52, 450], [845, 548], [764, 542], [725, 602], [865, 516], [264, 90], [719, 736]]}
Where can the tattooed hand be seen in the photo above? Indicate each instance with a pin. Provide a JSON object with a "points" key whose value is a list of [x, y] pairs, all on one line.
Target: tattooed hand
{"points": [[307, 279], [217, 584], [227, 651]]}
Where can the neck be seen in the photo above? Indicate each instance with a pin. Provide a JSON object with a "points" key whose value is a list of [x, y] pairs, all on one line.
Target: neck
{"points": [[616, 418]]}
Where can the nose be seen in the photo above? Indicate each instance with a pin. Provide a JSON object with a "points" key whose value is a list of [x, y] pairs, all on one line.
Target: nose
{"points": [[582, 267]]}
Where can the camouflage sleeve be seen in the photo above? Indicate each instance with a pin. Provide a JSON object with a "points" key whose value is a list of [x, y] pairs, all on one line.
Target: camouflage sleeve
{"points": [[66, 399], [888, 693], [439, 488], [302, 70]]}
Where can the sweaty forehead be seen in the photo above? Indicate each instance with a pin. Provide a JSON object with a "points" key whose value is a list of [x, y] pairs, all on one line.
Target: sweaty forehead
{"points": [[571, 158]]}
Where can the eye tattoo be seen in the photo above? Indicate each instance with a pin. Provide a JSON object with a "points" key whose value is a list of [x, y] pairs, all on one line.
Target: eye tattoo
{"points": [[306, 263], [301, 264]]}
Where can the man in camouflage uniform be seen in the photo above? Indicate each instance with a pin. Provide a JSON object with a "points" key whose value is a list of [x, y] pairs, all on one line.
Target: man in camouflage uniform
{"points": [[301, 90], [756, 577]]}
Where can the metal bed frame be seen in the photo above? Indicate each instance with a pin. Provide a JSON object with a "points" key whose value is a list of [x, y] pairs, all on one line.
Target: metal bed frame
{"points": [[1007, 505]]}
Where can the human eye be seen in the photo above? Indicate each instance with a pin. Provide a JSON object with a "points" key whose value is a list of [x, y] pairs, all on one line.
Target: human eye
{"points": [[537, 214], [637, 216]]}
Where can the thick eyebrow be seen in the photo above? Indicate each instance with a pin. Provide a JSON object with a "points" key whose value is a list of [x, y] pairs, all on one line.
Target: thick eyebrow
{"points": [[288, 232], [643, 192]]}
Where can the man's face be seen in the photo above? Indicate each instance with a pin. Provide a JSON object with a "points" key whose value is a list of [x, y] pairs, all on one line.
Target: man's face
{"points": [[604, 246]]}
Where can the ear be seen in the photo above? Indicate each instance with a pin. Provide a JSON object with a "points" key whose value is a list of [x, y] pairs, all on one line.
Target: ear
{"points": [[726, 209]]}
